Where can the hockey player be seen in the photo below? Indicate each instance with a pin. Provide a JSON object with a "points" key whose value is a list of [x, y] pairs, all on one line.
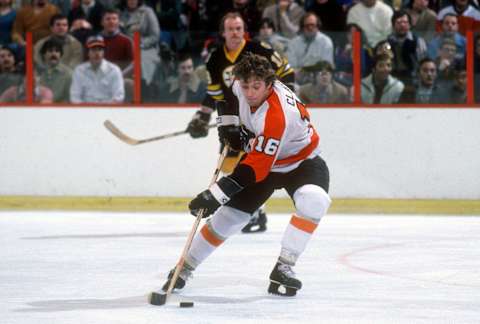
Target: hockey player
{"points": [[220, 66], [283, 152]]}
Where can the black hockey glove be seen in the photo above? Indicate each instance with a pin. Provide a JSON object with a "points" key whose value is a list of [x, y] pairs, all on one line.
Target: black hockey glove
{"points": [[228, 124], [198, 126], [231, 136], [210, 199]]}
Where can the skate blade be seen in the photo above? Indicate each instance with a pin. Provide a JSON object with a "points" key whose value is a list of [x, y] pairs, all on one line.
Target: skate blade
{"points": [[276, 288], [254, 229], [157, 298]]}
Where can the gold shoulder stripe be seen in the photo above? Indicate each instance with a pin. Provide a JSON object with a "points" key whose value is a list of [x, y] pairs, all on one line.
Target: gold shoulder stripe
{"points": [[214, 87]]}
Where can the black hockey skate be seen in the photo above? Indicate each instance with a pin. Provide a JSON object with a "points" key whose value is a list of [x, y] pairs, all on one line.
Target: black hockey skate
{"points": [[184, 275], [258, 223], [283, 281]]}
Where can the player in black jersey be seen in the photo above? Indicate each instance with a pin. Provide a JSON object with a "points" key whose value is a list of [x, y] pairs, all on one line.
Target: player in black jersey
{"points": [[220, 66]]}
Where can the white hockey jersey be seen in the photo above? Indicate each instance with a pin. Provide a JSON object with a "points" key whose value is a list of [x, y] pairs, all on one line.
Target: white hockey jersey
{"points": [[284, 136]]}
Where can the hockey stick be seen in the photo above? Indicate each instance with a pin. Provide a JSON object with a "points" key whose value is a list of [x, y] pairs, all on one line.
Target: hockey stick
{"points": [[160, 298], [127, 139]]}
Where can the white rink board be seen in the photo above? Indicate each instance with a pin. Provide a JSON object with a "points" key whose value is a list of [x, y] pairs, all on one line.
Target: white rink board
{"points": [[372, 153], [97, 268]]}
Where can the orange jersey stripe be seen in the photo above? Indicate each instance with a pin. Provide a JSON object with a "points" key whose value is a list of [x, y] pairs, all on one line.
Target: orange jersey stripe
{"points": [[304, 153], [209, 236], [303, 224], [273, 129]]}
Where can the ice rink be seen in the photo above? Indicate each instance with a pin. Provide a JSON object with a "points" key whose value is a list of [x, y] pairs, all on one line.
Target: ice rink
{"points": [[97, 268]]}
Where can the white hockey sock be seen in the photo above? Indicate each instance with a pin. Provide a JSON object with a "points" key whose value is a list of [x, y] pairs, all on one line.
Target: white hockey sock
{"points": [[295, 239], [226, 222]]}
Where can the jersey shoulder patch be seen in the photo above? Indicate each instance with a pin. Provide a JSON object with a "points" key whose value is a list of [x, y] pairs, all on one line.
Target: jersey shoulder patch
{"points": [[258, 48], [266, 45], [212, 54]]}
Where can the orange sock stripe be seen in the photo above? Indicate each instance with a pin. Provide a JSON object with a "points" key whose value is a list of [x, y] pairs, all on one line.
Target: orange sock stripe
{"points": [[303, 224], [210, 237]]}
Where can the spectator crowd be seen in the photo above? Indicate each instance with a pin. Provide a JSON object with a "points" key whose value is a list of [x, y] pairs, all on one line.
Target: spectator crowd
{"points": [[412, 51]]}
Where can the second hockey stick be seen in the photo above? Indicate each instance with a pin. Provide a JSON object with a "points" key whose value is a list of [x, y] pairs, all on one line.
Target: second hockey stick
{"points": [[132, 141], [160, 298]]}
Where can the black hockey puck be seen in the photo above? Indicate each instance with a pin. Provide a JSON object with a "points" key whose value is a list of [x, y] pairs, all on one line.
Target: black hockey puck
{"points": [[186, 304], [157, 299]]}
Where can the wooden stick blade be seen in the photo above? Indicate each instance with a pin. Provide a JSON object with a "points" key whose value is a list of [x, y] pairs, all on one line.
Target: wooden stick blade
{"points": [[158, 298], [121, 136]]}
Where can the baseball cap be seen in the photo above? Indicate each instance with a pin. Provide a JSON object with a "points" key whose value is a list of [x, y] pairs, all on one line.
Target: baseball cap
{"points": [[95, 41]]}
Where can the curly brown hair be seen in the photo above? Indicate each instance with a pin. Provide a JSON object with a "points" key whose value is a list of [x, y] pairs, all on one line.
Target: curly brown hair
{"points": [[254, 66]]}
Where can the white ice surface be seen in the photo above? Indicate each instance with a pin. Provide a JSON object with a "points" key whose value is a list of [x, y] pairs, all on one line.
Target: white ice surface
{"points": [[97, 268]]}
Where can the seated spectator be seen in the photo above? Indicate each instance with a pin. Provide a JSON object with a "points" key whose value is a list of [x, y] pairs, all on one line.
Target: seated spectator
{"points": [[55, 75], [137, 17], [97, 80], [286, 16], [163, 71], [476, 61], [446, 61], [468, 16], [90, 10], [17, 93], [262, 4], [310, 46], [175, 19], [380, 87], [374, 17], [72, 49], [208, 47], [449, 30], [382, 47], [331, 14], [81, 29], [268, 35], [110, 3], [9, 72], [425, 90], [64, 5], [118, 46], [423, 19], [33, 18], [407, 47], [344, 55], [323, 89], [456, 91], [249, 12], [186, 87], [7, 17]]}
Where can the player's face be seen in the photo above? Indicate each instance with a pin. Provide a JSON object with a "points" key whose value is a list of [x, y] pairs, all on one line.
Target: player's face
{"points": [[233, 33], [255, 90]]}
